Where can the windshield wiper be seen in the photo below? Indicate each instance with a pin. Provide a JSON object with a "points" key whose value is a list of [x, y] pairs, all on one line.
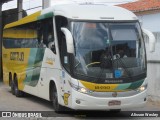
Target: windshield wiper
{"points": [[118, 60], [105, 63]]}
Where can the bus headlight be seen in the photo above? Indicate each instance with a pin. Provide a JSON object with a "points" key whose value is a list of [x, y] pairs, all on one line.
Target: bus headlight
{"points": [[81, 89], [142, 88]]}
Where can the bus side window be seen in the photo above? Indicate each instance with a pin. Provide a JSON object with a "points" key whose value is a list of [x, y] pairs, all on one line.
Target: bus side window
{"points": [[50, 37], [64, 54], [46, 34], [62, 22], [42, 31], [51, 43], [40, 34]]}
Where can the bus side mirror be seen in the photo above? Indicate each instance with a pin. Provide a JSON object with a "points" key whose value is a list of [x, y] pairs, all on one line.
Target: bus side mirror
{"points": [[152, 40], [69, 40]]}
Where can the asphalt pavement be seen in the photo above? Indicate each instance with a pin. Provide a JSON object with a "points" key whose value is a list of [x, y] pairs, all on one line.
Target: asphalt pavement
{"points": [[11, 103]]}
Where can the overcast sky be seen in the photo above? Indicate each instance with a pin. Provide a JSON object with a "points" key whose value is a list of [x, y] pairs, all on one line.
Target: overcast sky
{"points": [[35, 5]]}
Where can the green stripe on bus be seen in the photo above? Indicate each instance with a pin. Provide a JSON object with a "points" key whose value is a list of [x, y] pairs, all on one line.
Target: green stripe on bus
{"points": [[136, 84], [44, 16], [34, 66], [123, 86]]}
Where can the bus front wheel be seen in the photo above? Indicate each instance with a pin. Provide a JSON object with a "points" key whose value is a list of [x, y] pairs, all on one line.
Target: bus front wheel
{"points": [[57, 107]]}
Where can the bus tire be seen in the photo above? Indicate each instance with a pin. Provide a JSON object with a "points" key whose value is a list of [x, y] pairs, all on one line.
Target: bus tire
{"points": [[10, 79], [57, 107], [12, 88], [18, 93]]}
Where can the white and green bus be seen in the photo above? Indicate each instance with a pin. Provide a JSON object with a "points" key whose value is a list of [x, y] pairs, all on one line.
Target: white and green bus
{"points": [[80, 56]]}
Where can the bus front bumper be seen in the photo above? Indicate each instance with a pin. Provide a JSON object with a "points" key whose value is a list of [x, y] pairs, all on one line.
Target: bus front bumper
{"points": [[81, 101]]}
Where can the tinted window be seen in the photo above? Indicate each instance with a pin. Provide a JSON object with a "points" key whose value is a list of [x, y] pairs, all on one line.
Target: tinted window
{"points": [[31, 35]]}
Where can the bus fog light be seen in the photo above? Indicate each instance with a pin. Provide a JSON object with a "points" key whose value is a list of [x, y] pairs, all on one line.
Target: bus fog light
{"points": [[78, 101]]}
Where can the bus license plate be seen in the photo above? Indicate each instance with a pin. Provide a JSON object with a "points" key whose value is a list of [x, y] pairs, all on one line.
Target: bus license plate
{"points": [[114, 102]]}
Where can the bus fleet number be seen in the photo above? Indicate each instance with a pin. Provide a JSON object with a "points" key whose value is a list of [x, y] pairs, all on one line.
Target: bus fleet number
{"points": [[17, 56]]}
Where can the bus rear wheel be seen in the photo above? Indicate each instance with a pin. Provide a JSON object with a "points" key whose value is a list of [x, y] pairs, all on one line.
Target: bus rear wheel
{"points": [[57, 107], [11, 84], [18, 93], [12, 88]]}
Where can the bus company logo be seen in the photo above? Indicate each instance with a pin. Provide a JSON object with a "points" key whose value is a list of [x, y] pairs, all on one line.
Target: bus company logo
{"points": [[102, 87], [114, 94], [50, 60], [6, 114], [17, 56]]}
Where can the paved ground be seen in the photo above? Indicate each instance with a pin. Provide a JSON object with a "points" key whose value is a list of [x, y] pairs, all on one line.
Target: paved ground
{"points": [[8, 102]]}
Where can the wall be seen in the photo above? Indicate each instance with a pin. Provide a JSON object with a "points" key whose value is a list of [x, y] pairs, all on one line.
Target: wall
{"points": [[151, 21], [153, 73], [11, 15], [154, 56]]}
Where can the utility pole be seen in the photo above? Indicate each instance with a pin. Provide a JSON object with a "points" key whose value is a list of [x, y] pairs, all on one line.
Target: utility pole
{"points": [[1, 27], [20, 8], [46, 3]]}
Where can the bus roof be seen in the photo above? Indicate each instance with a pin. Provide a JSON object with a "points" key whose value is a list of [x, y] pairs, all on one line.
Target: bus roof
{"points": [[80, 12], [91, 12], [24, 20]]}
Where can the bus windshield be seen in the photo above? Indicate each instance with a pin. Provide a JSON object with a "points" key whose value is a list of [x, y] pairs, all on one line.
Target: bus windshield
{"points": [[108, 50]]}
